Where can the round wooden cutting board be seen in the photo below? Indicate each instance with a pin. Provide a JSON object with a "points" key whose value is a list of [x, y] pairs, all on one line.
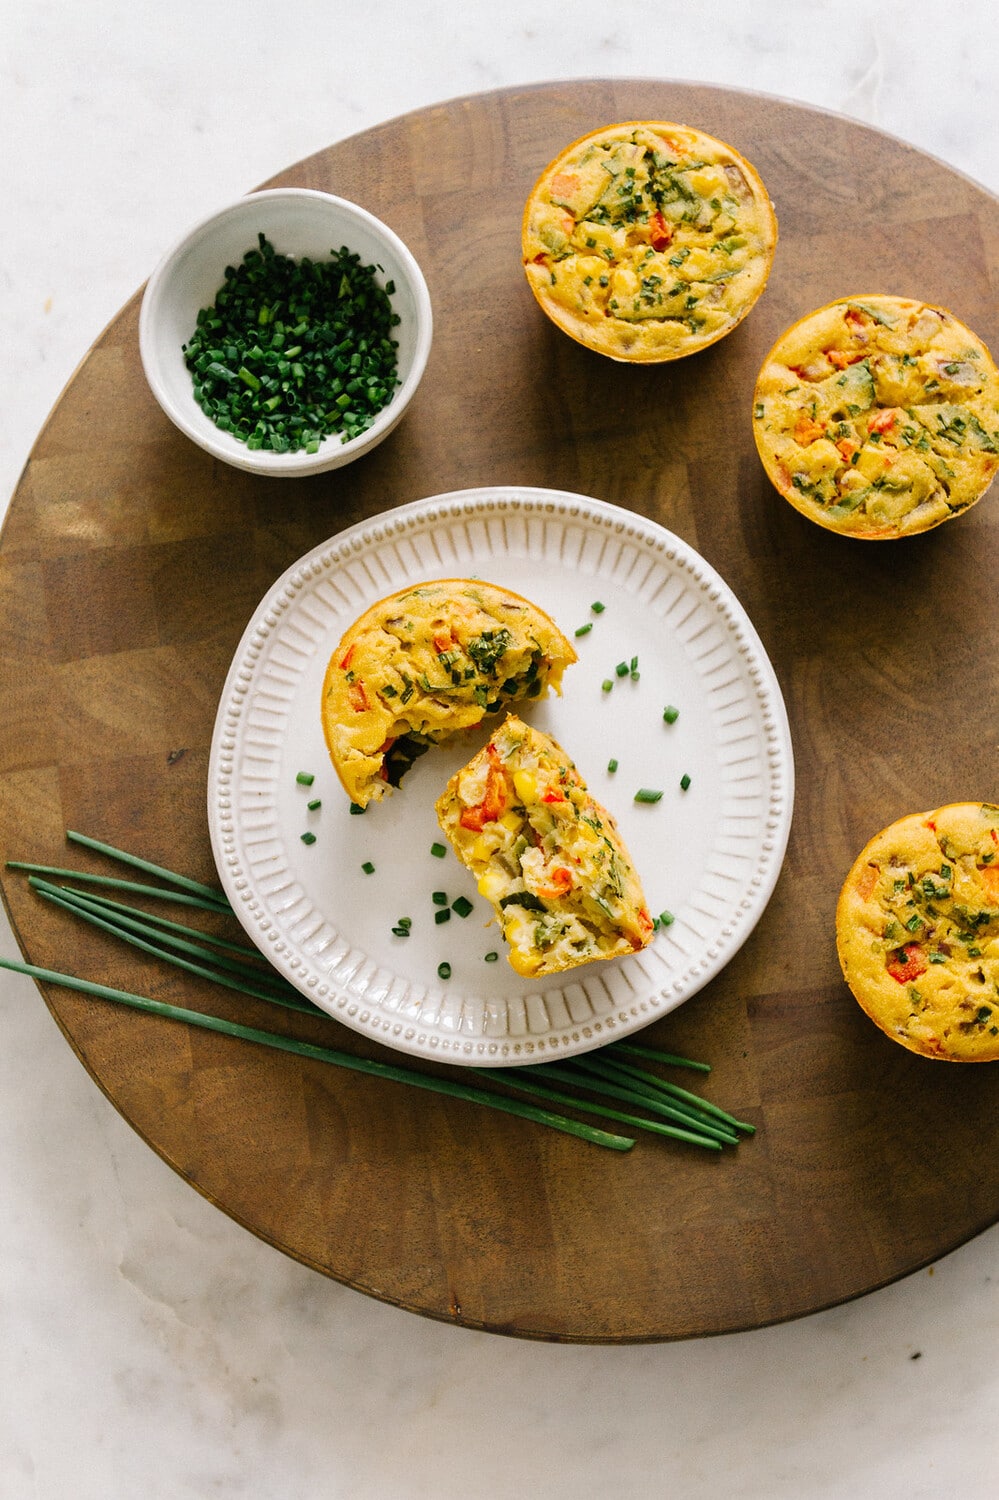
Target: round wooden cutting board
{"points": [[131, 563]]}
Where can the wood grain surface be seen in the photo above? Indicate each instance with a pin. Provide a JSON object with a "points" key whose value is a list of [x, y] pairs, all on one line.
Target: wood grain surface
{"points": [[130, 563]]}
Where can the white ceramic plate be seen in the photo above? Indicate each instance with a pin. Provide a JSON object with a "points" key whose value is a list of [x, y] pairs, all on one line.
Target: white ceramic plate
{"points": [[710, 855]]}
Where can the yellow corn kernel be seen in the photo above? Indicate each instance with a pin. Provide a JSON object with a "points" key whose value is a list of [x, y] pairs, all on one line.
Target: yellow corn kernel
{"points": [[526, 787], [708, 182], [492, 885]]}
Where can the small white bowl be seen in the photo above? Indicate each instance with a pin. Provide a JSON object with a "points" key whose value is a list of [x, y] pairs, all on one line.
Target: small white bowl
{"points": [[298, 222]]}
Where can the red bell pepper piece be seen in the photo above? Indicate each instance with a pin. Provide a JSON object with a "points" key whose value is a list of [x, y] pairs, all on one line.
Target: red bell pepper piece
{"points": [[906, 964]]}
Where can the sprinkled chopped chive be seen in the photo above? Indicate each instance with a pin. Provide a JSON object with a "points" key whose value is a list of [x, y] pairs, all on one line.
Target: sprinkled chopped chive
{"points": [[585, 629], [308, 837], [670, 714], [292, 352], [439, 898], [607, 684], [315, 804], [597, 607], [647, 794], [438, 851], [666, 919], [368, 867], [684, 782], [444, 970], [491, 957], [634, 667], [913, 923], [356, 809], [400, 931], [621, 669], [462, 906], [612, 765], [443, 915], [305, 778]]}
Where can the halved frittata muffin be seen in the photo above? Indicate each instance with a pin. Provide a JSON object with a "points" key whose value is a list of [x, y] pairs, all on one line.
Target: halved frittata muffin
{"points": [[647, 241], [426, 662], [878, 416], [917, 930], [545, 854]]}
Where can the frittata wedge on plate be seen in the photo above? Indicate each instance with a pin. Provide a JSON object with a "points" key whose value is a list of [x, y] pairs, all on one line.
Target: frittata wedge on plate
{"points": [[426, 662], [545, 854]]}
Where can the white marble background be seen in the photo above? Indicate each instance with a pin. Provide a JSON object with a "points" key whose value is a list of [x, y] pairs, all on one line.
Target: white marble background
{"points": [[148, 1346]]}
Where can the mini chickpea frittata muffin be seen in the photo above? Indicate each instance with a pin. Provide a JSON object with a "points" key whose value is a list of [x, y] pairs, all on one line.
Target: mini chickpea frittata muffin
{"points": [[424, 663], [546, 855], [648, 241], [917, 930], [878, 416]]}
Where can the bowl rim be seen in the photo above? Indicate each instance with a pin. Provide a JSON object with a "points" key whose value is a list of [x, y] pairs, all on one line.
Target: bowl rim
{"points": [[264, 461]]}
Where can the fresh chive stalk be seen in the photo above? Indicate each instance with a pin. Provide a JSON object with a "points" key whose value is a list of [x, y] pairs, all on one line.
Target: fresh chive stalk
{"points": [[524, 1080], [681, 1096], [634, 1049], [247, 982], [585, 1073], [603, 1076], [696, 1120], [113, 883], [388, 1071], [183, 882]]}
